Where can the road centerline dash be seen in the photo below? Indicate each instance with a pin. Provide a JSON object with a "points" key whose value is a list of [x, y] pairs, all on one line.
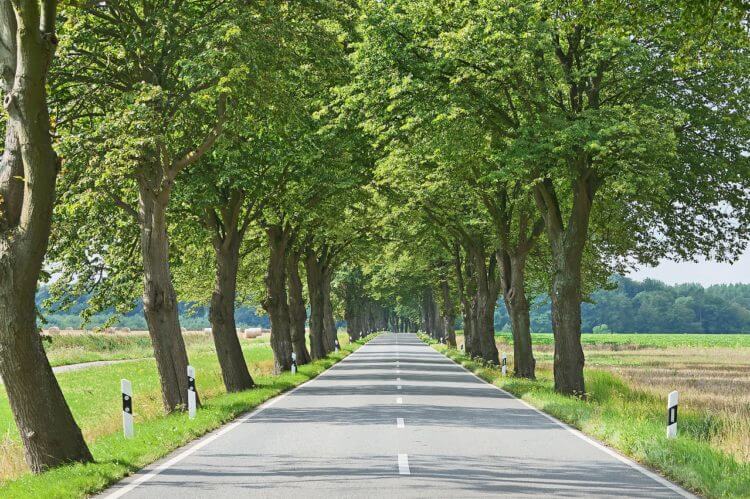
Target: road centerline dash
{"points": [[403, 464]]}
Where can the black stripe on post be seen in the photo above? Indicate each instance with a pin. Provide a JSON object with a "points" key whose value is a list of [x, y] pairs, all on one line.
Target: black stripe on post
{"points": [[127, 403], [191, 383], [672, 415]]}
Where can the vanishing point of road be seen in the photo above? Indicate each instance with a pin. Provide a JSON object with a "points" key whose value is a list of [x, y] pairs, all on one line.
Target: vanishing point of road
{"points": [[394, 419]]}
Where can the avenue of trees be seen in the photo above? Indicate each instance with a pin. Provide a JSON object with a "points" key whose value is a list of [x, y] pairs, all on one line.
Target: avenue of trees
{"points": [[397, 164]]}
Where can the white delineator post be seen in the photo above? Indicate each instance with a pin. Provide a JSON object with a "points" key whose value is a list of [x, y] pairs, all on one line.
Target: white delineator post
{"points": [[127, 408], [505, 364], [294, 363], [672, 415], [192, 402]]}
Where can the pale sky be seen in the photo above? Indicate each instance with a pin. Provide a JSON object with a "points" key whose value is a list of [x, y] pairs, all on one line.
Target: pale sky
{"points": [[702, 272]]}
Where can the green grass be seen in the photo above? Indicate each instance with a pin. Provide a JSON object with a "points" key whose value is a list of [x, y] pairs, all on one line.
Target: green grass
{"points": [[93, 395], [67, 349], [645, 340], [631, 421]]}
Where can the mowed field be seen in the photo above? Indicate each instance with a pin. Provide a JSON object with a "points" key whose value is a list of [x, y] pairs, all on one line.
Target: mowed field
{"points": [[711, 372]]}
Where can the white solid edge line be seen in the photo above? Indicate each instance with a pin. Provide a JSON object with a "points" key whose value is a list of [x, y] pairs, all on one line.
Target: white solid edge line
{"points": [[202, 442], [403, 464], [399, 400], [625, 460]]}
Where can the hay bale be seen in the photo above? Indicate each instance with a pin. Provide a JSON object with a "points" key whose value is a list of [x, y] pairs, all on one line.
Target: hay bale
{"points": [[53, 330], [253, 332], [124, 330], [110, 330], [207, 331]]}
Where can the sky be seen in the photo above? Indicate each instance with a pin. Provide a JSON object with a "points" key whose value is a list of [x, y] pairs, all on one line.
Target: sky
{"points": [[703, 272]]}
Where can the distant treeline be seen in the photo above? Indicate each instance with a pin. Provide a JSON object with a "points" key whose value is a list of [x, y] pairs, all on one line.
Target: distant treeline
{"points": [[651, 306], [631, 306], [191, 316]]}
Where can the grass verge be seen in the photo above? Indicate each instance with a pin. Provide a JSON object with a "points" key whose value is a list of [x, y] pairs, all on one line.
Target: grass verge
{"points": [[156, 434], [633, 422]]}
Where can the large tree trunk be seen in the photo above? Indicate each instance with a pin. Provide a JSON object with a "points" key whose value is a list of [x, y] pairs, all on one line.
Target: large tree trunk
{"points": [[463, 279], [160, 299], [234, 370], [329, 321], [566, 325], [297, 312], [48, 431], [438, 326], [276, 298], [449, 314], [517, 304], [486, 299], [567, 245], [317, 318]]}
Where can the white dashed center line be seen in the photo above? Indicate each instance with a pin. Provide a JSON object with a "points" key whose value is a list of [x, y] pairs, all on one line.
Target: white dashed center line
{"points": [[398, 387], [403, 464], [399, 422]]}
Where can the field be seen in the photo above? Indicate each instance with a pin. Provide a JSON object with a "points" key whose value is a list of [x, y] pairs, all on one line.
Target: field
{"points": [[94, 397], [629, 373], [78, 347]]}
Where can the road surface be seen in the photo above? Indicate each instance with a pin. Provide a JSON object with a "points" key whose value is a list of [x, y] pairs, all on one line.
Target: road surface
{"points": [[394, 419]]}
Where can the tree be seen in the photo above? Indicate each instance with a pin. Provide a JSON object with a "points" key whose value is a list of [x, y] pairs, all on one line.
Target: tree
{"points": [[27, 195], [596, 113], [162, 74]]}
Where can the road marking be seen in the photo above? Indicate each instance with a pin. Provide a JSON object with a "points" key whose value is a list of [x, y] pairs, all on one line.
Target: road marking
{"points": [[403, 464], [398, 371], [398, 379], [399, 422], [398, 387], [399, 400]]}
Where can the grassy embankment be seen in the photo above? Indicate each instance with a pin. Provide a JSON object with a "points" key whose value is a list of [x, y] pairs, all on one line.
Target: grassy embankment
{"points": [[94, 397], [627, 380]]}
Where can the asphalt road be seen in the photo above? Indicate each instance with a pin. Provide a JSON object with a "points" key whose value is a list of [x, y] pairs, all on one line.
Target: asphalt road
{"points": [[395, 419]]}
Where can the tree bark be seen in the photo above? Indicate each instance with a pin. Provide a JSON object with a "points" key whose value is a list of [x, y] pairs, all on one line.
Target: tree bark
{"points": [[234, 370], [297, 312], [329, 321], [517, 304], [48, 431], [486, 299], [449, 314], [567, 245], [315, 291], [159, 297], [463, 279], [275, 302]]}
